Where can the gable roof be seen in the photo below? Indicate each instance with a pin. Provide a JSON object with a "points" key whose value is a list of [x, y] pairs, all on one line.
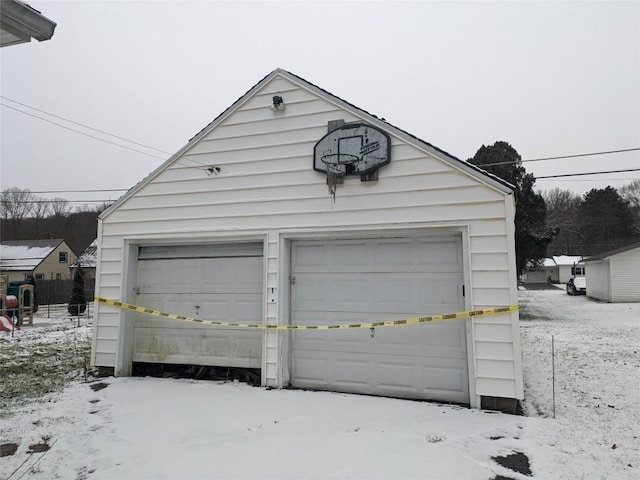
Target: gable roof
{"points": [[87, 259], [567, 260], [481, 175], [20, 255], [601, 256]]}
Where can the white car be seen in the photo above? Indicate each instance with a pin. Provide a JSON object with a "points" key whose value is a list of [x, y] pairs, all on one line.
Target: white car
{"points": [[577, 286]]}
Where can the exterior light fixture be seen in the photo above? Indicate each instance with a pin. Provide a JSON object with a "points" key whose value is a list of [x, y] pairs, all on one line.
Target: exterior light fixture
{"points": [[278, 104]]}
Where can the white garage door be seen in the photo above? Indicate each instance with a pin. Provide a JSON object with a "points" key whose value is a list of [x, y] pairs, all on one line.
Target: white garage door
{"points": [[350, 281], [211, 282]]}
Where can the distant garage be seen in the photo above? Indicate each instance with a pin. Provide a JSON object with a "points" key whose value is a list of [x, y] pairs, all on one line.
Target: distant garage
{"points": [[614, 276]]}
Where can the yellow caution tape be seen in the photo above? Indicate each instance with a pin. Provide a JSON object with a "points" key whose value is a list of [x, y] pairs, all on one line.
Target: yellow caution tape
{"points": [[262, 326]]}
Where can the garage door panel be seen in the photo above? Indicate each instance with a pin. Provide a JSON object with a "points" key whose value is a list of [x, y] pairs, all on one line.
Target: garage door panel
{"points": [[222, 288], [350, 372], [415, 341], [196, 346], [392, 293], [354, 281], [386, 375], [445, 378]]}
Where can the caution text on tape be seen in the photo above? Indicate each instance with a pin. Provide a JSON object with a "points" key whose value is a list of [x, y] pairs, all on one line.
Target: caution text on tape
{"points": [[262, 326]]}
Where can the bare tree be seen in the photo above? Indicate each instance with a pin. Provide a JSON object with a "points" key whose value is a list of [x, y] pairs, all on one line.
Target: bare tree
{"points": [[16, 203], [562, 218], [41, 209], [60, 207], [630, 193]]}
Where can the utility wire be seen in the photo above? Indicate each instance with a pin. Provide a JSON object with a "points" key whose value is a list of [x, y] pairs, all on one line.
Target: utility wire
{"points": [[84, 126], [590, 173], [102, 139], [168, 153], [82, 133], [120, 190], [578, 155], [558, 158], [81, 191]]}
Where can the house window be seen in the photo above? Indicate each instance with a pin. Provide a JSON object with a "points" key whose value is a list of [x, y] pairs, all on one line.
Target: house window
{"points": [[577, 271], [62, 257], [58, 276], [39, 276]]}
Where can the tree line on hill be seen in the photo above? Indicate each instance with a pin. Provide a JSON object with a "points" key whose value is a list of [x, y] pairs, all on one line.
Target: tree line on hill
{"points": [[26, 216], [561, 222], [553, 222]]}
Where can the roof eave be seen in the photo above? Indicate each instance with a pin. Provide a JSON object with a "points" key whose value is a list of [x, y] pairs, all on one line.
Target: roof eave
{"points": [[24, 22]]}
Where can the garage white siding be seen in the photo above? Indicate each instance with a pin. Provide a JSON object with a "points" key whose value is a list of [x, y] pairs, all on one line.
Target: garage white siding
{"points": [[368, 280], [614, 277], [265, 188], [598, 280]]}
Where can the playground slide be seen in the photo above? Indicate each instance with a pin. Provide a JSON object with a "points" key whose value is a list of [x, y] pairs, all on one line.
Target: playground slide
{"points": [[6, 324]]}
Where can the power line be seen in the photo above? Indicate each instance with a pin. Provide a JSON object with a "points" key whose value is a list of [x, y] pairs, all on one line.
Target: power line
{"points": [[102, 139], [590, 173], [81, 191], [577, 155], [29, 202], [83, 125], [583, 155], [82, 133]]}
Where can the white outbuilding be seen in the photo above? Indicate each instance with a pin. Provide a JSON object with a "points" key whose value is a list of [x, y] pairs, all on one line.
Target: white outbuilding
{"points": [[614, 276], [295, 207]]}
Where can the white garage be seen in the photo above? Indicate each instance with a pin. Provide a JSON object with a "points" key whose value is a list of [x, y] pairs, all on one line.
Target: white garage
{"points": [[296, 208]]}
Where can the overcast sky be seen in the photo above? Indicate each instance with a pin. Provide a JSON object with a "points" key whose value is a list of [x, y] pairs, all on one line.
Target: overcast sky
{"points": [[550, 78]]}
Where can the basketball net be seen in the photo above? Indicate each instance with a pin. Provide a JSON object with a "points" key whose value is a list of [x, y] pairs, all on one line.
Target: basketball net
{"points": [[333, 179]]}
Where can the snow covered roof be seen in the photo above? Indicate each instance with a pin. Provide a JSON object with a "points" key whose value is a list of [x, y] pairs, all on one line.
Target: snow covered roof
{"points": [[18, 255], [613, 252], [548, 262], [88, 258], [567, 260]]}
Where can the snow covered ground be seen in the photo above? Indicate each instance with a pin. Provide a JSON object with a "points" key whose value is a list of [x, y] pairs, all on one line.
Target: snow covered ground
{"points": [[139, 428]]}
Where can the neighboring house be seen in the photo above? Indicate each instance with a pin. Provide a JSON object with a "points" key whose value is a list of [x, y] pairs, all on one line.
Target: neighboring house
{"points": [[568, 266], [87, 262], [558, 269], [296, 207], [19, 23], [542, 274], [615, 276], [42, 259]]}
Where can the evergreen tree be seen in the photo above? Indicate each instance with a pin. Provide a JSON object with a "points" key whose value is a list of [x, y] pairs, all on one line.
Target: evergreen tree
{"points": [[605, 221], [78, 302], [532, 235]]}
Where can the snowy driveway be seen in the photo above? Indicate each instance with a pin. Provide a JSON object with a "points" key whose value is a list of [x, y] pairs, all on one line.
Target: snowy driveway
{"points": [[136, 428]]}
